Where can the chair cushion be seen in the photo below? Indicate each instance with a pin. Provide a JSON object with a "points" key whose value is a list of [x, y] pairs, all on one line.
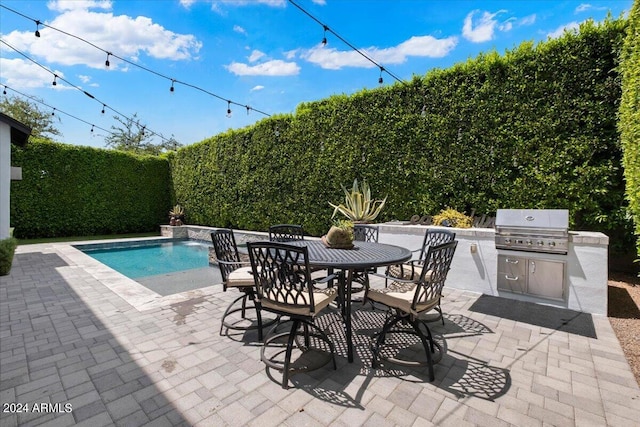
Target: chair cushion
{"points": [[400, 295], [240, 278], [321, 298]]}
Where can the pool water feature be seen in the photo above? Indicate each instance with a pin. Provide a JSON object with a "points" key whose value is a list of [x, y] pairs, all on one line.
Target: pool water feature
{"points": [[165, 267]]}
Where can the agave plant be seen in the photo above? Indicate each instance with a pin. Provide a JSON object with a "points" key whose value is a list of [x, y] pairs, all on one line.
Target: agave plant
{"points": [[176, 215], [358, 206]]}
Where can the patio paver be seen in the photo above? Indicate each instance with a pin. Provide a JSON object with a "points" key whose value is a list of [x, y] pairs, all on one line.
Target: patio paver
{"points": [[67, 338]]}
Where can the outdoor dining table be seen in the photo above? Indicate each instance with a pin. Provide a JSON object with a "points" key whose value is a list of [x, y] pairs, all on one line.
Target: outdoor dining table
{"points": [[362, 256]]}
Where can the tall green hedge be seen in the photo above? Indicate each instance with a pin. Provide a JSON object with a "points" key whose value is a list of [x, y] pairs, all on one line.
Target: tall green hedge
{"points": [[629, 123], [533, 128], [69, 190]]}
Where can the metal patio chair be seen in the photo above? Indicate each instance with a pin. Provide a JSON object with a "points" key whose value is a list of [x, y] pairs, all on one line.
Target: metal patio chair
{"points": [[238, 274], [413, 268], [285, 287], [408, 300]]}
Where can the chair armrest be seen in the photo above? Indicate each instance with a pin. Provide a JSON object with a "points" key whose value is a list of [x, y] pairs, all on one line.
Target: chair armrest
{"points": [[393, 278], [326, 279]]}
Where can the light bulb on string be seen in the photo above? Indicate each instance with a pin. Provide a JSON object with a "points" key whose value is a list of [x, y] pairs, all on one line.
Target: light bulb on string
{"points": [[324, 37], [103, 106], [143, 127], [37, 33], [92, 129], [380, 79], [55, 76], [107, 63], [248, 109], [4, 92], [53, 113], [229, 109], [171, 89]]}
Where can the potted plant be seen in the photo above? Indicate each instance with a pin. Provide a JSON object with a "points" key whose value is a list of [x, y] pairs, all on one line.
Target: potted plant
{"points": [[340, 235], [358, 206], [7, 249], [176, 215]]}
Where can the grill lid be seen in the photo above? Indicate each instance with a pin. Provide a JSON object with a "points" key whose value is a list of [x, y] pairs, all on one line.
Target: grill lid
{"points": [[541, 219]]}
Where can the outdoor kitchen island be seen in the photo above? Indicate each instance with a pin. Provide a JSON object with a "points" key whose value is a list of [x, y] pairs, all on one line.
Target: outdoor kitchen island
{"points": [[582, 271]]}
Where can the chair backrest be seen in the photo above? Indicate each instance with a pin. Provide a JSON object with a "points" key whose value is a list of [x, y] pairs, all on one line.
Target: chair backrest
{"points": [[365, 233], [434, 273], [285, 232], [224, 244], [282, 275], [434, 237]]}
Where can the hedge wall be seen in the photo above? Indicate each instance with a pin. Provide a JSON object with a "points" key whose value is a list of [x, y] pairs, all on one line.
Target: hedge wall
{"points": [[533, 128], [69, 190], [629, 123]]}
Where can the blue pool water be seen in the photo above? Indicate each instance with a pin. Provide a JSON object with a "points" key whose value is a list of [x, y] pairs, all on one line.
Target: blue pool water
{"points": [[152, 259]]}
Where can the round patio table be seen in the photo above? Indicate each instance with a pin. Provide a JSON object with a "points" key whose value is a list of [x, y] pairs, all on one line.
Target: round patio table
{"points": [[362, 256]]}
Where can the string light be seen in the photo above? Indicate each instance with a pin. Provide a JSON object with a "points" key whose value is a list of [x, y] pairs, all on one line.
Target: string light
{"points": [[4, 92], [171, 89], [364, 55], [228, 108], [55, 76], [324, 37], [53, 113], [75, 86], [103, 107], [92, 128], [107, 63], [37, 28], [380, 79], [143, 128], [60, 111], [248, 108], [134, 64]]}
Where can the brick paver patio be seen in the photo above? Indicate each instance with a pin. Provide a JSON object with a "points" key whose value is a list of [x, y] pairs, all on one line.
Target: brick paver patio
{"points": [[68, 341]]}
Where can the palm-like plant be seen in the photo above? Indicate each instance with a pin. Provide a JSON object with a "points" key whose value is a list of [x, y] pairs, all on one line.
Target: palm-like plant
{"points": [[358, 206]]}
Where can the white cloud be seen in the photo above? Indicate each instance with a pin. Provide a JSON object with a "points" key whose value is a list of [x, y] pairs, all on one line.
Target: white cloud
{"points": [[84, 79], [482, 30], [66, 5], [419, 46], [187, 3], [583, 7], [257, 88], [320, 2], [275, 67], [571, 26], [124, 36], [239, 29], [20, 74], [255, 55], [528, 20]]}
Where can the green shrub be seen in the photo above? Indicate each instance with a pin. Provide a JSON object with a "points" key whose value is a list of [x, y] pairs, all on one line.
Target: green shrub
{"points": [[629, 123], [533, 128], [7, 249], [70, 190], [452, 218]]}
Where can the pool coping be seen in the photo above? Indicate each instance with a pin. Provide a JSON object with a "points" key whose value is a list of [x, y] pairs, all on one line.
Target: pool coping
{"points": [[132, 292]]}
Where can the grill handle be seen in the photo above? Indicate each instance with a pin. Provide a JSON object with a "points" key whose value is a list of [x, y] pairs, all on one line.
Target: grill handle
{"points": [[514, 278], [511, 261]]}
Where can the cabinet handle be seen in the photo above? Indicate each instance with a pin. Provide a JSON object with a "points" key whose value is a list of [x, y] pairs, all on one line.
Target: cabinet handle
{"points": [[533, 269], [506, 276], [511, 261]]}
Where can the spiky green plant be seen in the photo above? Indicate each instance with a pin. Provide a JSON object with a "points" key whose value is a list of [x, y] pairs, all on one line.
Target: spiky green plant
{"points": [[358, 206]]}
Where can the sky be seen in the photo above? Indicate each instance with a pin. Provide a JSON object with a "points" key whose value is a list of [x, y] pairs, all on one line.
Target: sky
{"points": [[265, 56]]}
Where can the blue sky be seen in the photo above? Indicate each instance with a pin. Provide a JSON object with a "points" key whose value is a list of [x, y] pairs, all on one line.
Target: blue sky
{"points": [[265, 54]]}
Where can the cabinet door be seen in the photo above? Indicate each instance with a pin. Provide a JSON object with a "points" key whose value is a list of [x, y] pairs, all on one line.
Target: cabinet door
{"points": [[512, 274], [546, 278]]}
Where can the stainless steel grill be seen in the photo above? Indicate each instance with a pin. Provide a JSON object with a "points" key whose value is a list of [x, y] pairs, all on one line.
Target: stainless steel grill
{"points": [[533, 230], [542, 238]]}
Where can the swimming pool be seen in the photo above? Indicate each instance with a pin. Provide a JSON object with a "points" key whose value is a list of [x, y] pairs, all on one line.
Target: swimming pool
{"points": [[142, 259]]}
